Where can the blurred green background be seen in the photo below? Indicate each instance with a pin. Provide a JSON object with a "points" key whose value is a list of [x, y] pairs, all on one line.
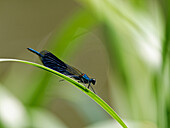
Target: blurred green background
{"points": [[124, 45]]}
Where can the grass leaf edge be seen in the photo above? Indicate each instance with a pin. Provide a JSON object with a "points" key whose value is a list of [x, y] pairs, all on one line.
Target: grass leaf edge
{"points": [[92, 95]]}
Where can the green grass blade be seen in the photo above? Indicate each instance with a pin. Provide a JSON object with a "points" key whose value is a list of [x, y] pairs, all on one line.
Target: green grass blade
{"points": [[96, 98]]}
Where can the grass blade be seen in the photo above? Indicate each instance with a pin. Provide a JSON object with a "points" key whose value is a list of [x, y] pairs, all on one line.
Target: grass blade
{"points": [[93, 96]]}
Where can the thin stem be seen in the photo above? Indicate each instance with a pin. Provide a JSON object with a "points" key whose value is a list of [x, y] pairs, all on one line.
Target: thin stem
{"points": [[92, 95]]}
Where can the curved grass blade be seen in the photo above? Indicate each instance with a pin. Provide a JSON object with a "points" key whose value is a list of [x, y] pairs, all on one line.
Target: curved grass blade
{"points": [[92, 95]]}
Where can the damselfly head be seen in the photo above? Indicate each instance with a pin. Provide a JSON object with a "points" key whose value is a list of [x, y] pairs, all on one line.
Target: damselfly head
{"points": [[93, 81]]}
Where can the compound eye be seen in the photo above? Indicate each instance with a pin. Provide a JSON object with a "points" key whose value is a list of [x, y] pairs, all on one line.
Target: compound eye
{"points": [[93, 81]]}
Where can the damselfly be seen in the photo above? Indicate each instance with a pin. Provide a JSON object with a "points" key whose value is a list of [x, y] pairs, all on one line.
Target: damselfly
{"points": [[51, 61]]}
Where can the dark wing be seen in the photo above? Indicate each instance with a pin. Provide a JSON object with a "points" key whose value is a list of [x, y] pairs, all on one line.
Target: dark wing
{"points": [[73, 71], [51, 61]]}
